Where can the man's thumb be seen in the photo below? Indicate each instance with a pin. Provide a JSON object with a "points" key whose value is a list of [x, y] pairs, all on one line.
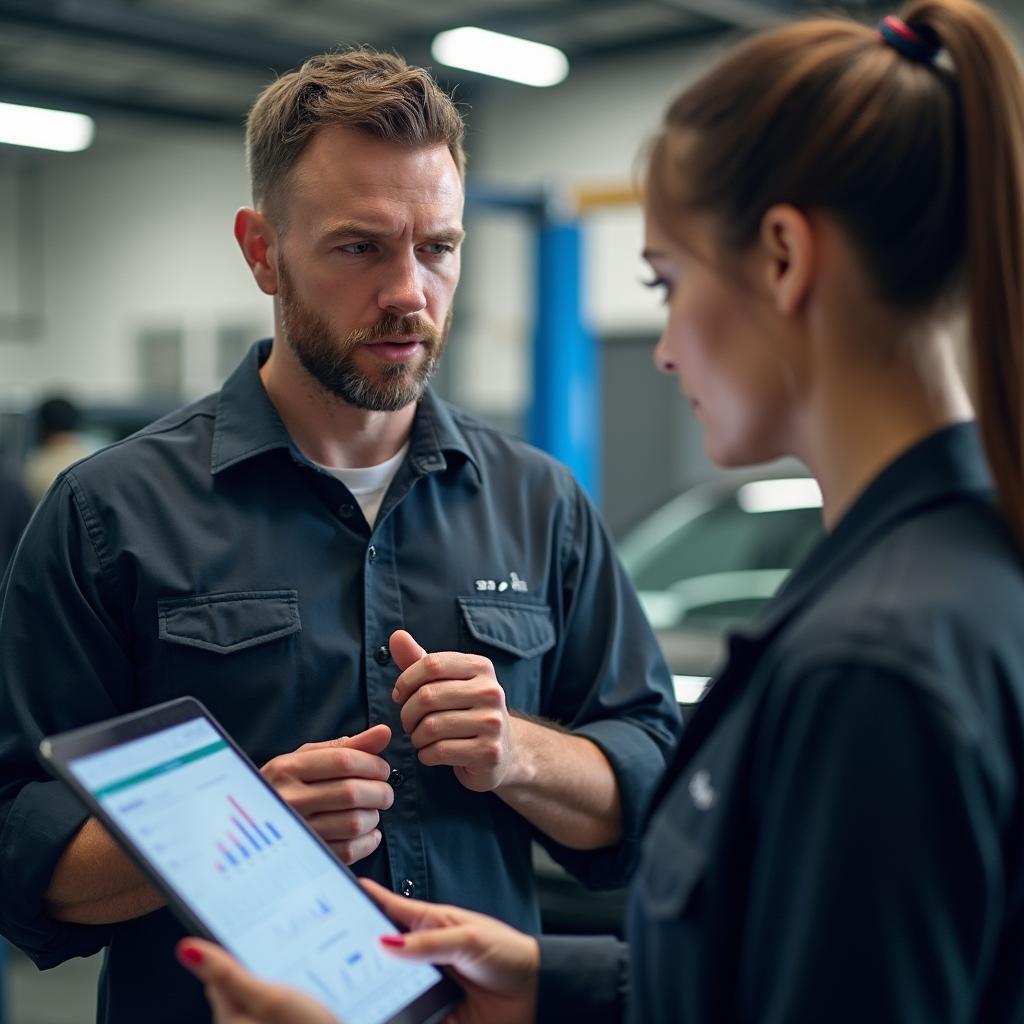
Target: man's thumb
{"points": [[370, 741], [405, 650]]}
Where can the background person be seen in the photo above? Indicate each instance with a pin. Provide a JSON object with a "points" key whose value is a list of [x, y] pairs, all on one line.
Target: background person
{"points": [[58, 443], [288, 551], [840, 836]]}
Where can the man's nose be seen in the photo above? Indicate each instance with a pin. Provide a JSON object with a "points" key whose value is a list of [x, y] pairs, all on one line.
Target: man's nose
{"points": [[402, 292]]}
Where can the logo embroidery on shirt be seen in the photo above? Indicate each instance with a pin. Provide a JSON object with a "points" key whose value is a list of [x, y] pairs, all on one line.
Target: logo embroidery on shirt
{"points": [[701, 790], [514, 583]]}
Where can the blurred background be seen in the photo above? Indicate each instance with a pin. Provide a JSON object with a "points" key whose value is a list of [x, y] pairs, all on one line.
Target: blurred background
{"points": [[123, 295]]}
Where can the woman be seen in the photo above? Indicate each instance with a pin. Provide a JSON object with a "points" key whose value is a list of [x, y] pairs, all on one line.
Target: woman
{"points": [[841, 835]]}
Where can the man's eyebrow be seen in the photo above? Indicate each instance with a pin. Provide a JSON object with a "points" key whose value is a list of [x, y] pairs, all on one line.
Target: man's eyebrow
{"points": [[364, 229], [354, 228], [453, 235]]}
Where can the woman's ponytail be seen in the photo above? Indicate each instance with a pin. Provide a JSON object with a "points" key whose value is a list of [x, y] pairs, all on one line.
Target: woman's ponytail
{"points": [[990, 82]]}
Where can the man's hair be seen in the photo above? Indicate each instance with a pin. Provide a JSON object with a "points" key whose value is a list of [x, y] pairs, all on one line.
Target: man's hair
{"points": [[375, 93]]}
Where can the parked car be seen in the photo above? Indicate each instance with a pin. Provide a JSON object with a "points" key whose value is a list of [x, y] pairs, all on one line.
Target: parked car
{"points": [[709, 558], [702, 563]]}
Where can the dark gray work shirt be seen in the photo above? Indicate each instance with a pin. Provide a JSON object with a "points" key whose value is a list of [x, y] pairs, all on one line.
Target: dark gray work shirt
{"points": [[840, 837], [207, 556], [15, 511]]}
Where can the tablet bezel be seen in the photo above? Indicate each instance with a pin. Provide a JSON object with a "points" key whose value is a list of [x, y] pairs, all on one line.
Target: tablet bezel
{"points": [[58, 751]]}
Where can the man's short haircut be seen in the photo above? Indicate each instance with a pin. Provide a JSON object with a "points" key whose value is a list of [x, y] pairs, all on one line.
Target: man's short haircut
{"points": [[375, 93]]}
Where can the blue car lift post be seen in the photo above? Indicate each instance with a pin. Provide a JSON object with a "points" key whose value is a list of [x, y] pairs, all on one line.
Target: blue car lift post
{"points": [[564, 414]]}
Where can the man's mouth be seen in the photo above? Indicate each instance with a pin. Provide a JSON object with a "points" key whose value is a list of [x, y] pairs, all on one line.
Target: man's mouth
{"points": [[396, 348]]}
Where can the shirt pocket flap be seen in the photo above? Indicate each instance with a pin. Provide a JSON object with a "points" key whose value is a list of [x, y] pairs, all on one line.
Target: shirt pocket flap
{"points": [[525, 630], [224, 623], [672, 869]]}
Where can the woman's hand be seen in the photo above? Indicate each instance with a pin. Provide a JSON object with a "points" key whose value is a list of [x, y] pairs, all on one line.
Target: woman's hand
{"points": [[236, 997], [496, 966]]}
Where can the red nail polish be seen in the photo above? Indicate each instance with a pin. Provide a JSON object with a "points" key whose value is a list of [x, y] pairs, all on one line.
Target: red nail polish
{"points": [[394, 941], [190, 956]]}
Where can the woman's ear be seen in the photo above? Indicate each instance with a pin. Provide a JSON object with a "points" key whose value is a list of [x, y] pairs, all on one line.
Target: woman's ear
{"points": [[789, 246], [256, 238]]}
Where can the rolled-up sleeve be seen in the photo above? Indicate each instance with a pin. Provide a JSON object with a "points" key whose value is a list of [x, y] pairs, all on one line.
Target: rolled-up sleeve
{"points": [[62, 664], [609, 683]]}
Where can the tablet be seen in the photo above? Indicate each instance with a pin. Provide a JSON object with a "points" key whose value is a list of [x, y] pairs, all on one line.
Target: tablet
{"points": [[239, 866]]}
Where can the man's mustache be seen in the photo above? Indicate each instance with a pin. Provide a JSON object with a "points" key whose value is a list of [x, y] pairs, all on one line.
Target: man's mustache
{"points": [[389, 326]]}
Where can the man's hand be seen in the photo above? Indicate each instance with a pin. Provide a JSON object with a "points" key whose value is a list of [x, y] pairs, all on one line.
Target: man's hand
{"points": [[340, 787], [453, 709]]}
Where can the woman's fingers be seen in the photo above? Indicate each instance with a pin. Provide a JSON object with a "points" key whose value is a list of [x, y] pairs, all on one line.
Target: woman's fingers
{"points": [[237, 997]]}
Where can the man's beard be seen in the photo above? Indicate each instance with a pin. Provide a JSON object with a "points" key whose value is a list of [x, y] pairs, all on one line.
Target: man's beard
{"points": [[330, 359]]}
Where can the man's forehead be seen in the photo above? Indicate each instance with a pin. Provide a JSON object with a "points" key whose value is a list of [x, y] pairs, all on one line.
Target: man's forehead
{"points": [[345, 155]]}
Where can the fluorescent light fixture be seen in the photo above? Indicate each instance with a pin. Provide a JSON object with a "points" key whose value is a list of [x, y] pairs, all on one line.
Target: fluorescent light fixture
{"points": [[45, 129], [779, 495], [493, 53]]}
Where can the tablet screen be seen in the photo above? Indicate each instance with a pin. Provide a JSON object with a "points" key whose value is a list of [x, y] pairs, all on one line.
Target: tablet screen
{"points": [[264, 888]]}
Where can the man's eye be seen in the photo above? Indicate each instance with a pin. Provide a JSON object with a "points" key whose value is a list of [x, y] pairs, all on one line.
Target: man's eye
{"points": [[439, 248], [356, 248]]}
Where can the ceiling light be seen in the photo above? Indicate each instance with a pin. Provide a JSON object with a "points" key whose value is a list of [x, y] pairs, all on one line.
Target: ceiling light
{"points": [[45, 129], [492, 53], [779, 495]]}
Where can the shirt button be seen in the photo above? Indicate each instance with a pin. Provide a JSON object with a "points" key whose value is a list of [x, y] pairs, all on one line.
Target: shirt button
{"points": [[347, 511], [382, 655], [396, 778], [408, 887], [371, 554]]}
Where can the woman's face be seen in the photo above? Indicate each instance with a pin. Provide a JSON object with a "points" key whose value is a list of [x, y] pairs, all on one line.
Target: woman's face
{"points": [[723, 344]]}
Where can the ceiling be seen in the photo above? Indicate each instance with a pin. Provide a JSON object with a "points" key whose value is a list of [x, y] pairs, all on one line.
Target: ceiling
{"points": [[204, 60]]}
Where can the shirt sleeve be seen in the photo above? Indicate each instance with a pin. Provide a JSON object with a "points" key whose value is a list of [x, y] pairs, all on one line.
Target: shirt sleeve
{"points": [[608, 682], [582, 978], [63, 664], [876, 888]]}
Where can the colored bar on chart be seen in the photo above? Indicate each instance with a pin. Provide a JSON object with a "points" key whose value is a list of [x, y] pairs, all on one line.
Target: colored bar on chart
{"points": [[245, 832], [248, 817], [227, 853], [275, 833], [241, 849]]}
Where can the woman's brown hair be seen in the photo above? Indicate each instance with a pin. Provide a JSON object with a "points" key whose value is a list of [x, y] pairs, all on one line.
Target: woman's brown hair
{"points": [[922, 162]]}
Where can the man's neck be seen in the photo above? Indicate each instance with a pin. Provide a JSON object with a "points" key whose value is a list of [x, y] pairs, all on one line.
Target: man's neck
{"points": [[326, 429]]}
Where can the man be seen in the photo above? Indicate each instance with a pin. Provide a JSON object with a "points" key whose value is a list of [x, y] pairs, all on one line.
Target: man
{"points": [[289, 549]]}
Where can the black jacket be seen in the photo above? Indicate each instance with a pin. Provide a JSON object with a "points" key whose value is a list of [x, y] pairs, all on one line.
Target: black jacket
{"points": [[840, 836]]}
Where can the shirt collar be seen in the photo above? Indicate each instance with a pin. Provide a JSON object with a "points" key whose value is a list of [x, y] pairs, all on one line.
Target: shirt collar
{"points": [[947, 465], [247, 424]]}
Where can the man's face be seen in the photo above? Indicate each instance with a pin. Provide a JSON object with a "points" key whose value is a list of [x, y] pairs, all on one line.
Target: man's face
{"points": [[367, 265]]}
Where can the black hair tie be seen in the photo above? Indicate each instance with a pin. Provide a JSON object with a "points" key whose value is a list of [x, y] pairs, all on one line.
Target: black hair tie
{"points": [[895, 32]]}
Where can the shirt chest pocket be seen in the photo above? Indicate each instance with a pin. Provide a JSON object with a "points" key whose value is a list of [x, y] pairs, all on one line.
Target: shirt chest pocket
{"points": [[235, 651], [515, 636]]}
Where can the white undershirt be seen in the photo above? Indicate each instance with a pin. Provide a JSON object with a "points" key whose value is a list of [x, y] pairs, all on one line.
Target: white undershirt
{"points": [[369, 484]]}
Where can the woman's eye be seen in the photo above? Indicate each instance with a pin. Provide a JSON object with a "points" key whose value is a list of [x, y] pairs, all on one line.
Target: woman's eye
{"points": [[659, 282]]}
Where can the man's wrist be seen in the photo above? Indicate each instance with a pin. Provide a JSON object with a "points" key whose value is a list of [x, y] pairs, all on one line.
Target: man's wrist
{"points": [[523, 767]]}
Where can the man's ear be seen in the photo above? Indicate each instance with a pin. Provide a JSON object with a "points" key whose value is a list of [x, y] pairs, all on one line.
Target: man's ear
{"points": [[258, 241], [789, 245]]}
